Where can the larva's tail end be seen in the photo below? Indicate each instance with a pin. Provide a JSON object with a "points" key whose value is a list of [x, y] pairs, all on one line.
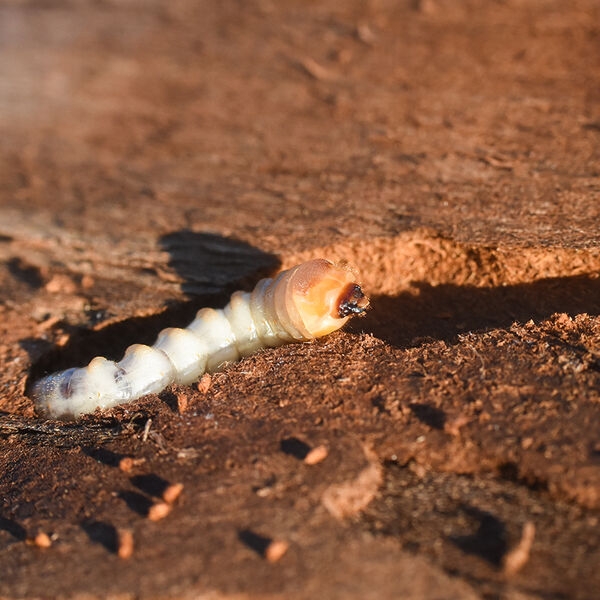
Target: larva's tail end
{"points": [[326, 296], [48, 396], [69, 394]]}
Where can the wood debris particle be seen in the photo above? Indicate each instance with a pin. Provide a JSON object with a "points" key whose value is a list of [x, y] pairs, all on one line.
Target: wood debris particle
{"points": [[125, 543], [419, 470], [204, 384], [159, 511], [41, 540], [351, 497], [127, 463], [516, 559], [527, 442], [146, 430], [182, 402], [497, 161], [62, 340], [264, 492], [49, 323], [343, 56], [316, 455], [453, 427], [187, 453], [365, 34], [87, 282], [316, 71], [61, 284], [275, 550], [427, 7], [172, 492]]}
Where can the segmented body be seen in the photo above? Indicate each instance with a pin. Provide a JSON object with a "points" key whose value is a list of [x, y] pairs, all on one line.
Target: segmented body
{"points": [[300, 304]]}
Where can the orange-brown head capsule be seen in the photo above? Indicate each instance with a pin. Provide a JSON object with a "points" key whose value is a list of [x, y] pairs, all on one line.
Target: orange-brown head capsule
{"points": [[324, 296]]}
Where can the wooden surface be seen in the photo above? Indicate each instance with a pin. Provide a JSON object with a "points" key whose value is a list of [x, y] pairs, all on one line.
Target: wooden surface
{"points": [[155, 156]]}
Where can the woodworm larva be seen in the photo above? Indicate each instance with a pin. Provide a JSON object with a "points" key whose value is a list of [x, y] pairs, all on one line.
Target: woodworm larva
{"points": [[305, 302]]}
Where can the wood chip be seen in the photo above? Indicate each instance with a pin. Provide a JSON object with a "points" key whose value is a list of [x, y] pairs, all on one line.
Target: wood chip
{"points": [[527, 442], [365, 34], [159, 511], [351, 497], [125, 541], [87, 282], [264, 492], [204, 384], [516, 559], [127, 463], [275, 550], [61, 284], [62, 340], [316, 71], [41, 540], [182, 402], [453, 426], [172, 492], [316, 455], [49, 323], [146, 432], [427, 7]]}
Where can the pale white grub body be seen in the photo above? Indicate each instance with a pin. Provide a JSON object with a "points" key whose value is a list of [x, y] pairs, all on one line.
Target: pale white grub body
{"points": [[300, 304]]}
